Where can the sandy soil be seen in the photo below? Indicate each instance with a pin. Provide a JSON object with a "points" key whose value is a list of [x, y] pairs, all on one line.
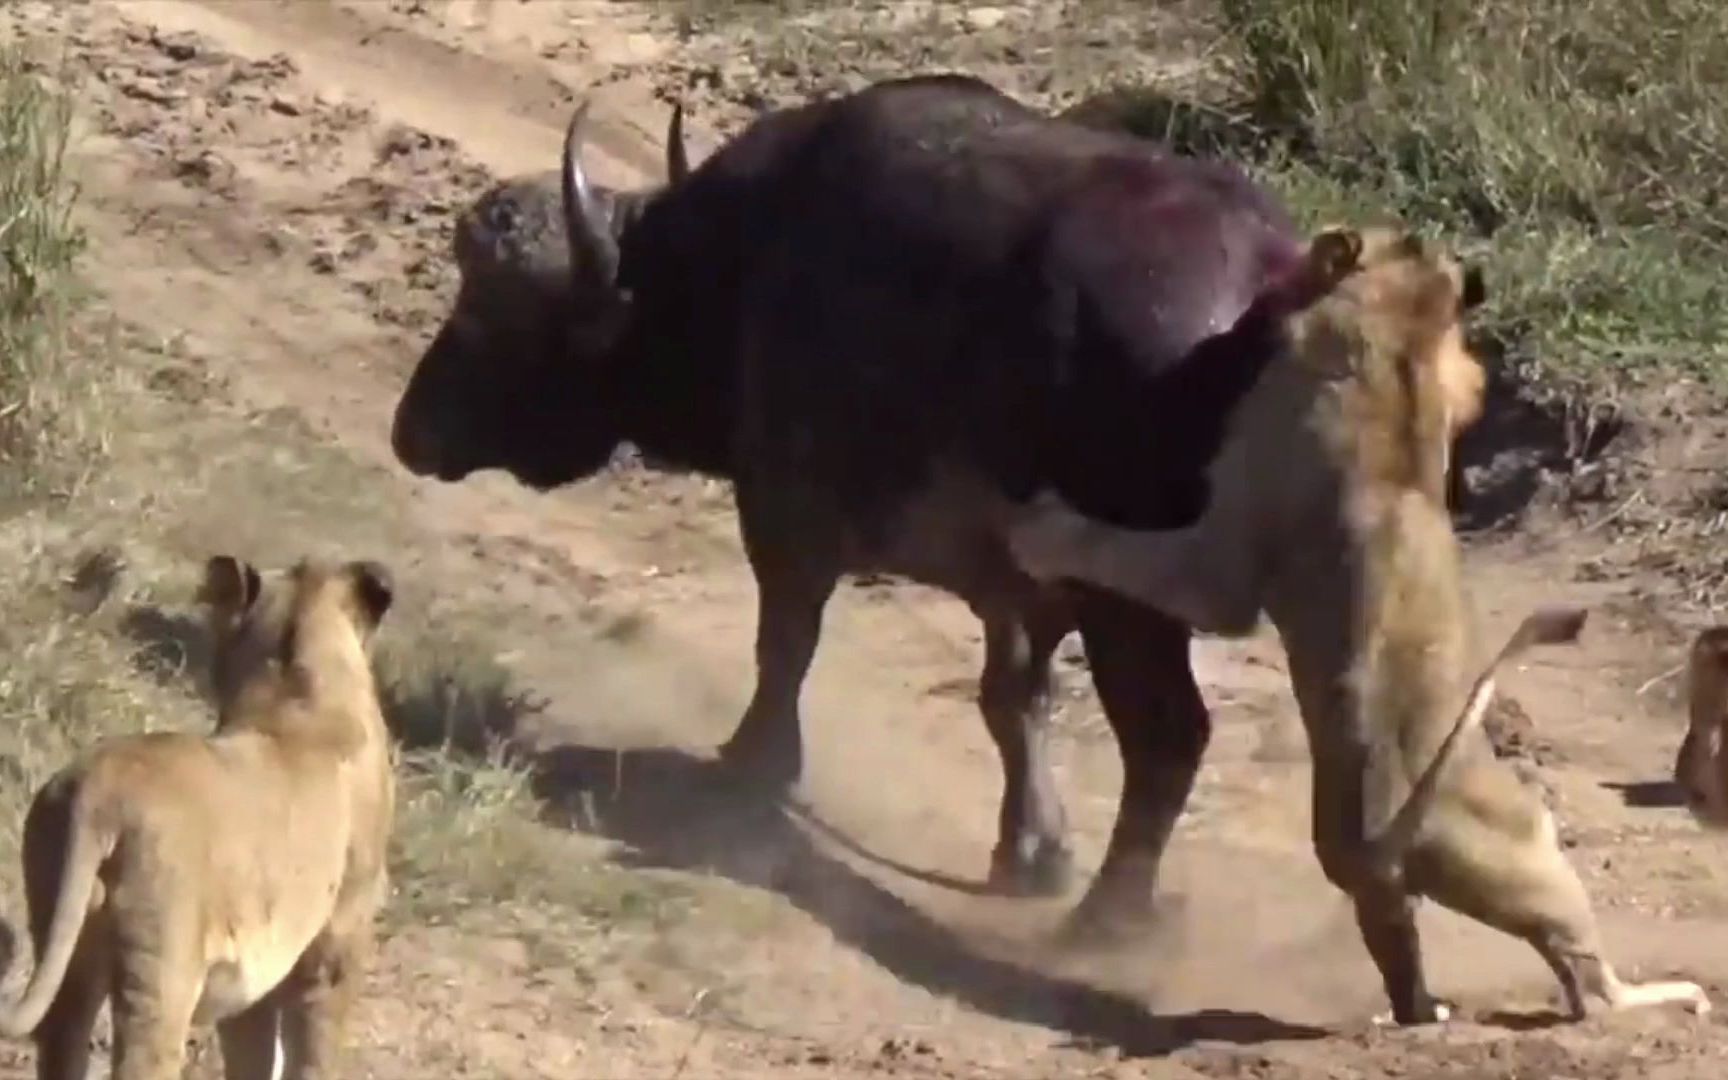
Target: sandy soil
{"points": [[271, 183]]}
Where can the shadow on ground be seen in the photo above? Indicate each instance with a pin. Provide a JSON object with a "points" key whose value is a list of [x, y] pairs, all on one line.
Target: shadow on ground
{"points": [[1648, 794], [674, 810], [966, 886], [171, 646]]}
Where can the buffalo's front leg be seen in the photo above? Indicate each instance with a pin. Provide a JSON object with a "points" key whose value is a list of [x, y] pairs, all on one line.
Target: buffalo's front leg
{"points": [[1031, 856], [793, 584], [1140, 666]]}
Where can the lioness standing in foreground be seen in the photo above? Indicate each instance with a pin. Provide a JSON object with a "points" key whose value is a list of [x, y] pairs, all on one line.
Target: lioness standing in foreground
{"points": [[232, 877]]}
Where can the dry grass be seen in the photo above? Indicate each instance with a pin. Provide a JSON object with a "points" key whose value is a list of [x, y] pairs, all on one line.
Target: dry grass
{"points": [[100, 636], [58, 690], [756, 53], [45, 446]]}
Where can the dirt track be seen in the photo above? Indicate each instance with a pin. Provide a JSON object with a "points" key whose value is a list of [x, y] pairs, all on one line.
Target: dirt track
{"points": [[273, 182]]}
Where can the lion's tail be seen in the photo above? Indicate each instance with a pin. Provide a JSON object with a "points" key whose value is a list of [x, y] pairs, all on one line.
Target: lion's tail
{"points": [[1546, 626], [84, 856]]}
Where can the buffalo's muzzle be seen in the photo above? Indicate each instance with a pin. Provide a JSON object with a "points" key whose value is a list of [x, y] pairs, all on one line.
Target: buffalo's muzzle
{"points": [[414, 446]]}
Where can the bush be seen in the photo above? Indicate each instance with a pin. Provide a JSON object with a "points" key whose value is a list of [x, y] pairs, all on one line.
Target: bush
{"points": [[40, 377]]}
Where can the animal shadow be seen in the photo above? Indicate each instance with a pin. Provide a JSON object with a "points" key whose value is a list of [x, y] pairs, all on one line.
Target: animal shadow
{"points": [[812, 820], [171, 646], [1648, 794], [1537, 1020], [673, 810]]}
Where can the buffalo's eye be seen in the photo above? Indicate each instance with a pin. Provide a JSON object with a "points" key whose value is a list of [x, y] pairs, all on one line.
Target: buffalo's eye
{"points": [[501, 216]]}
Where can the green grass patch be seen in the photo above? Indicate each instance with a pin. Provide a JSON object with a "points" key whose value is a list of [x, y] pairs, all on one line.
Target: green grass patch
{"points": [[48, 435], [1575, 147]]}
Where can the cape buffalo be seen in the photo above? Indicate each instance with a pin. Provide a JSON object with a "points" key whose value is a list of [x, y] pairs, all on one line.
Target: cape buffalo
{"points": [[889, 318]]}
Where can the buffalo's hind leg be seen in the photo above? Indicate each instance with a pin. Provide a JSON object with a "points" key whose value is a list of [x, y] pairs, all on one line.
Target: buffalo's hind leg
{"points": [[1387, 919], [796, 571], [1385, 906], [1031, 857], [1140, 667]]}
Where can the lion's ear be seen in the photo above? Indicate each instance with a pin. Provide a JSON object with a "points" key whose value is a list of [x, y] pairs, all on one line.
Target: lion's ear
{"points": [[374, 590], [231, 586], [1333, 255]]}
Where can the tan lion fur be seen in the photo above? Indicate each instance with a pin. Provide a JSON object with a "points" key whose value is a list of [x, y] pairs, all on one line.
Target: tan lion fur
{"points": [[232, 877], [1701, 768], [1328, 513]]}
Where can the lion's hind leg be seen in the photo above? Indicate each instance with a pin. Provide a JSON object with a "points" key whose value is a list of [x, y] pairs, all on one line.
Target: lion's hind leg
{"points": [[1520, 883], [157, 979], [1565, 933], [1620, 994], [317, 999], [250, 1047], [63, 1038]]}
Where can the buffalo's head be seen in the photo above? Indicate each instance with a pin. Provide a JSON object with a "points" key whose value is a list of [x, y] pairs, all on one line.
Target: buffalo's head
{"points": [[524, 374]]}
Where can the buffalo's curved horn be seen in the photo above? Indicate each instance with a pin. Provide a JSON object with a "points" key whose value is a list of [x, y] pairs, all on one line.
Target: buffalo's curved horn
{"points": [[587, 225], [677, 158]]}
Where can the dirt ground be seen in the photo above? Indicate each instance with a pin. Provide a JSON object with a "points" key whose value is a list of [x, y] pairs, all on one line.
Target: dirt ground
{"points": [[270, 186]]}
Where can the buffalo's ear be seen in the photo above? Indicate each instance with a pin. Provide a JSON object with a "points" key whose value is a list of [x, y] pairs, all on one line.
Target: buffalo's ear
{"points": [[374, 590], [1474, 290], [231, 586]]}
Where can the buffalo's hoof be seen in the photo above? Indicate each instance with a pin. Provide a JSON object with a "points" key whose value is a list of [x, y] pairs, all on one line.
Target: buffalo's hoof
{"points": [[1102, 922], [1429, 1011], [764, 768], [1048, 872]]}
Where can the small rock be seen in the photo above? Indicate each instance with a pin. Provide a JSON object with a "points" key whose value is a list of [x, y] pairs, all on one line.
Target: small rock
{"points": [[153, 93], [287, 106], [208, 169], [178, 46]]}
